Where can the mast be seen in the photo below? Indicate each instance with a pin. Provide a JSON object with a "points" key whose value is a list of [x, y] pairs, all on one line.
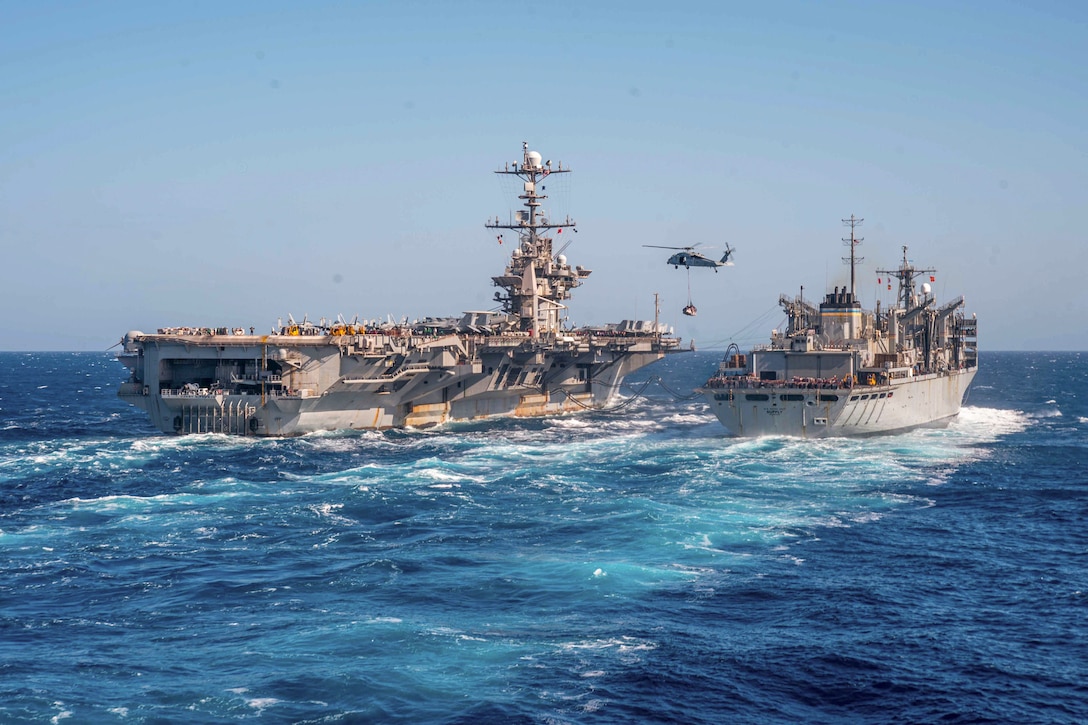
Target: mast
{"points": [[911, 323], [853, 242], [657, 315], [906, 297], [536, 280]]}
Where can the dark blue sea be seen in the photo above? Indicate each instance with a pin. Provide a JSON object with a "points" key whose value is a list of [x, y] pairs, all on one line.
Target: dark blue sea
{"points": [[635, 566]]}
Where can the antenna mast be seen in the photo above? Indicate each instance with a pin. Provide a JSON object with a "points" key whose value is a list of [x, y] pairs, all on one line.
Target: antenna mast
{"points": [[906, 274], [657, 315], [853, 242], [536, 279]]}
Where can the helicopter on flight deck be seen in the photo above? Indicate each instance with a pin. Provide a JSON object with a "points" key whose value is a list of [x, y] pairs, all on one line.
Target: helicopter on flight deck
{"points": [[688, 257]]}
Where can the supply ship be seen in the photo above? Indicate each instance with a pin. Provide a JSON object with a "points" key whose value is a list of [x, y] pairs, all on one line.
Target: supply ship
{"points": [[522, 359], [841, 371]]}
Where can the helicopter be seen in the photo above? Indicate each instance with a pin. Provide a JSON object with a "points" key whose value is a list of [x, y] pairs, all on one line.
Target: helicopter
{"points": [[688, 257]]}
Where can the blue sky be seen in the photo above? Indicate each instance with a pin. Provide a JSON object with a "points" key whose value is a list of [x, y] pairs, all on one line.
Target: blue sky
{"points": [[230, 163]]}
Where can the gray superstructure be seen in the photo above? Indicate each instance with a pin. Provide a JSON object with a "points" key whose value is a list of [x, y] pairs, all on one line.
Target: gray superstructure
{"points": [[518, 361], [842, 371]]}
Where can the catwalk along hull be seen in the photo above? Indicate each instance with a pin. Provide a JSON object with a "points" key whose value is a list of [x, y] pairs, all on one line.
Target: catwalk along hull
{"points": [[843, 371], [287, 385]]}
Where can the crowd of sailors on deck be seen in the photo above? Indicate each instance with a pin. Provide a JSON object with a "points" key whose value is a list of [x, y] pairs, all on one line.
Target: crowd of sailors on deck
{"points": [[751, 381], [194, 390], [198, 331], [311, 330]]}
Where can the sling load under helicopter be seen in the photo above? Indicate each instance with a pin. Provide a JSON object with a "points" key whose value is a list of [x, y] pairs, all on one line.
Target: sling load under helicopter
{"points": [[688, 257]]}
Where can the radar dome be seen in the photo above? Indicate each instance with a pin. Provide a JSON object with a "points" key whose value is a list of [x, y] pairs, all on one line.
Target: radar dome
{"points": [[534, 159], [128, 342], [562, 259], [926, 289]]}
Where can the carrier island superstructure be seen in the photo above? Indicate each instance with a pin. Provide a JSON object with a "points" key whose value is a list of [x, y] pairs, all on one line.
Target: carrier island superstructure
{"points": [[842, 371], [522, 359]]}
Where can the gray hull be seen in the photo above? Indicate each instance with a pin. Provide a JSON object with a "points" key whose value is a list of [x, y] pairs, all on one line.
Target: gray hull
{"points": [[899, 405], [282, 385]]}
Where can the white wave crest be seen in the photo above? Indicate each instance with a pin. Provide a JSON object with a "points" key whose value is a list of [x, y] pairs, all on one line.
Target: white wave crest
{"points": [[437, 474], [620, 644], [990, 423]]}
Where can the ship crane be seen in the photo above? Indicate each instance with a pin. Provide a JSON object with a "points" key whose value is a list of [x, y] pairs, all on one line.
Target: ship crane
{"points": [[948, 308], [800, 313], [940, 316], [911, 314], [931, 333]]}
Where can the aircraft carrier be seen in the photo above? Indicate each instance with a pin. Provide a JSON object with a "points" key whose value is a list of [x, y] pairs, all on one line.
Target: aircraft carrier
{"points": [[843, 371], [521, 359]]}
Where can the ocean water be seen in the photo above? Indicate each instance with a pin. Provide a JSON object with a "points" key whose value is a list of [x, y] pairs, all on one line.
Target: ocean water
{"points": [[636, 566]]}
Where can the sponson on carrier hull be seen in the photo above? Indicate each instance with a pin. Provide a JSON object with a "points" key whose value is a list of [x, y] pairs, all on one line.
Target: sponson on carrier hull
{"points": [[519, 360], [842, 371]]}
